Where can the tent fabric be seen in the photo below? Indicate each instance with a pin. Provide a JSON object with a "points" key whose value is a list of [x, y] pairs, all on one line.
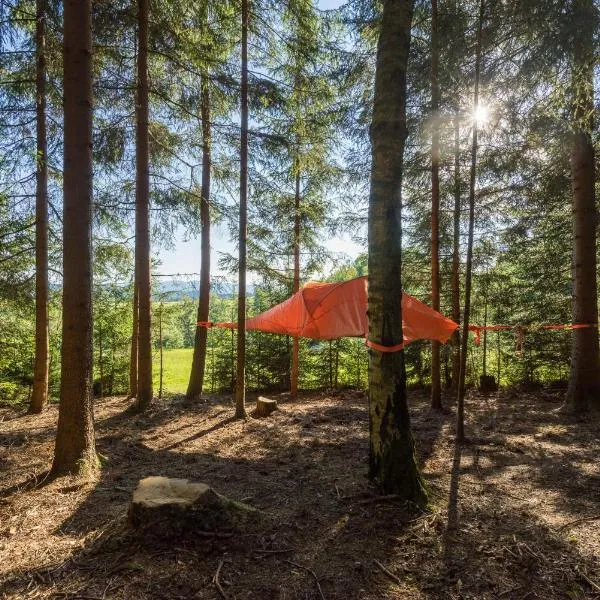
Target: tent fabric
{"points": [[326, 311]]}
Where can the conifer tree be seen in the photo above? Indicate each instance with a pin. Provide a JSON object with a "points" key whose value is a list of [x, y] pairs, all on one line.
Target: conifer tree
{"points": [[392, 461], [39, 397], [75, 446], [142, 218]]}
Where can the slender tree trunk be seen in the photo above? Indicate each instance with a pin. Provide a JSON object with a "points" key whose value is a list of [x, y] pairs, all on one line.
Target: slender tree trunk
{"points": [[133, 359], [460, 418], [337, 364], [392, 451], [485, 318], [196, 383], [75, 450], [101, 359], [456, 256], [296, 344], [584, 381], [160, 347], [499, 357], [39, 397], [436, 387], [142, 220], [240, 390]]}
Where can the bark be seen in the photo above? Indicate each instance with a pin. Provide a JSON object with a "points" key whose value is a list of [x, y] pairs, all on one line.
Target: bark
{"points": [[196, 383], [240, 389], [133, 359], [391, 450], [39, 397], [584, 381], [456, 257], [75, 447], [296, 345], [142, 217], [436, 388], [160, 346], [460, 419]]}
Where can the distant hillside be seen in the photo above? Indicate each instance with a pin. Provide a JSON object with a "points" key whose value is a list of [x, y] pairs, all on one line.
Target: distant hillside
{"points": [[179, 289]]}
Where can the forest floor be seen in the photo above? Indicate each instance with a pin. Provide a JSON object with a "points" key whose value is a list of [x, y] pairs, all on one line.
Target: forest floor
{"points": [[513, 514]]}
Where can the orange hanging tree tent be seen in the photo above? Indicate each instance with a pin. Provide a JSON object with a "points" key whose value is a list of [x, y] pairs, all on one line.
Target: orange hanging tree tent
{"points": [[326, 311]]}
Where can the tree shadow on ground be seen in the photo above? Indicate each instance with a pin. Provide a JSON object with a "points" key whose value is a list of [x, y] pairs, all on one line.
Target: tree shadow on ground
{"points": [[305, 466]]}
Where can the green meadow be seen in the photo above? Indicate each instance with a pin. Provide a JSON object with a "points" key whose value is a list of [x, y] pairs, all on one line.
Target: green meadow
{"points": [[176, 369]]}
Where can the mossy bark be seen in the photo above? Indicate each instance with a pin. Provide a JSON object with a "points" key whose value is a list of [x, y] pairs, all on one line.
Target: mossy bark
{"points": [[392, 466]]}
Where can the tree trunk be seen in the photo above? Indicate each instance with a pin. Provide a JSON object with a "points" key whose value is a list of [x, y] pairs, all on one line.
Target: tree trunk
{"points": [[160, 349], [584, 381], [436, 388], [296, 344], [485, 318], [75, 447], [392, 465], [39, 397], [456, 256], [142, 217], [196, 383], [133, 359], [460, 418], [240, 389]]}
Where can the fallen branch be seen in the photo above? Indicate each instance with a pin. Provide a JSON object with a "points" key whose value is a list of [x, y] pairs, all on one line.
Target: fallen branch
{"points": [[592, 583], [312, 573], [388, 572], [282, 551], [218, 583], [577, 521]]}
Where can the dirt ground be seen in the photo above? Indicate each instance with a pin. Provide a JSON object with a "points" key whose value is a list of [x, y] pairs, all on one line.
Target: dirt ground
{"points": [[514, 513]]}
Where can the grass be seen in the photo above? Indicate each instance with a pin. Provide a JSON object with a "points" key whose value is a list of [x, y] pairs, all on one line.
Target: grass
{"points": [[177, 363]]}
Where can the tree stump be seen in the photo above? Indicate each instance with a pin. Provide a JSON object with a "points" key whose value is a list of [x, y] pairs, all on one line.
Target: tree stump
{"points": [[168, 507], [265, 406]]}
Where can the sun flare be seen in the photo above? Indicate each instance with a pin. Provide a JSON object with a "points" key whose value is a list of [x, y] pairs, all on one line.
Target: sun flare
{"points": [[481, 113]]}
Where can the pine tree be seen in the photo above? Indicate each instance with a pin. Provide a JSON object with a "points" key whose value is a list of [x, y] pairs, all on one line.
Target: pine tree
{"points": [[584, 382], [142, 217], [436, 389], [75, 446], [392, 461], [240, 390], [39, 397], [460, 426]]}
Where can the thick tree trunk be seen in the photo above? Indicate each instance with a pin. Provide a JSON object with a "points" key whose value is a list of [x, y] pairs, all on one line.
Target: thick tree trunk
{"points": [[460, 419], [133, 358], [584, 381], [436, 388], [392, 461], [75, 448], [296, 344], [196, 383], [142, 217], [240, 389], [39, 397], [456, 256]]}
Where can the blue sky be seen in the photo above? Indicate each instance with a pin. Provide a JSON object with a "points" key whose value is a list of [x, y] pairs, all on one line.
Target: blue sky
{"points": [[185, 256]]}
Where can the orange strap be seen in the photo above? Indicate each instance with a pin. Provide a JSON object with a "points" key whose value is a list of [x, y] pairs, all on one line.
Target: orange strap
{"points": [[382, 348]]}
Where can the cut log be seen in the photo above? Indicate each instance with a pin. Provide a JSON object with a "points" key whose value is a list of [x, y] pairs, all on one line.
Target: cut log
{"points": [[163, 506], [265, 406]]}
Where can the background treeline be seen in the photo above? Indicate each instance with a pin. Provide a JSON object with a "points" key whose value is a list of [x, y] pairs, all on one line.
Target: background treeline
{"points": [[310, 96]]}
